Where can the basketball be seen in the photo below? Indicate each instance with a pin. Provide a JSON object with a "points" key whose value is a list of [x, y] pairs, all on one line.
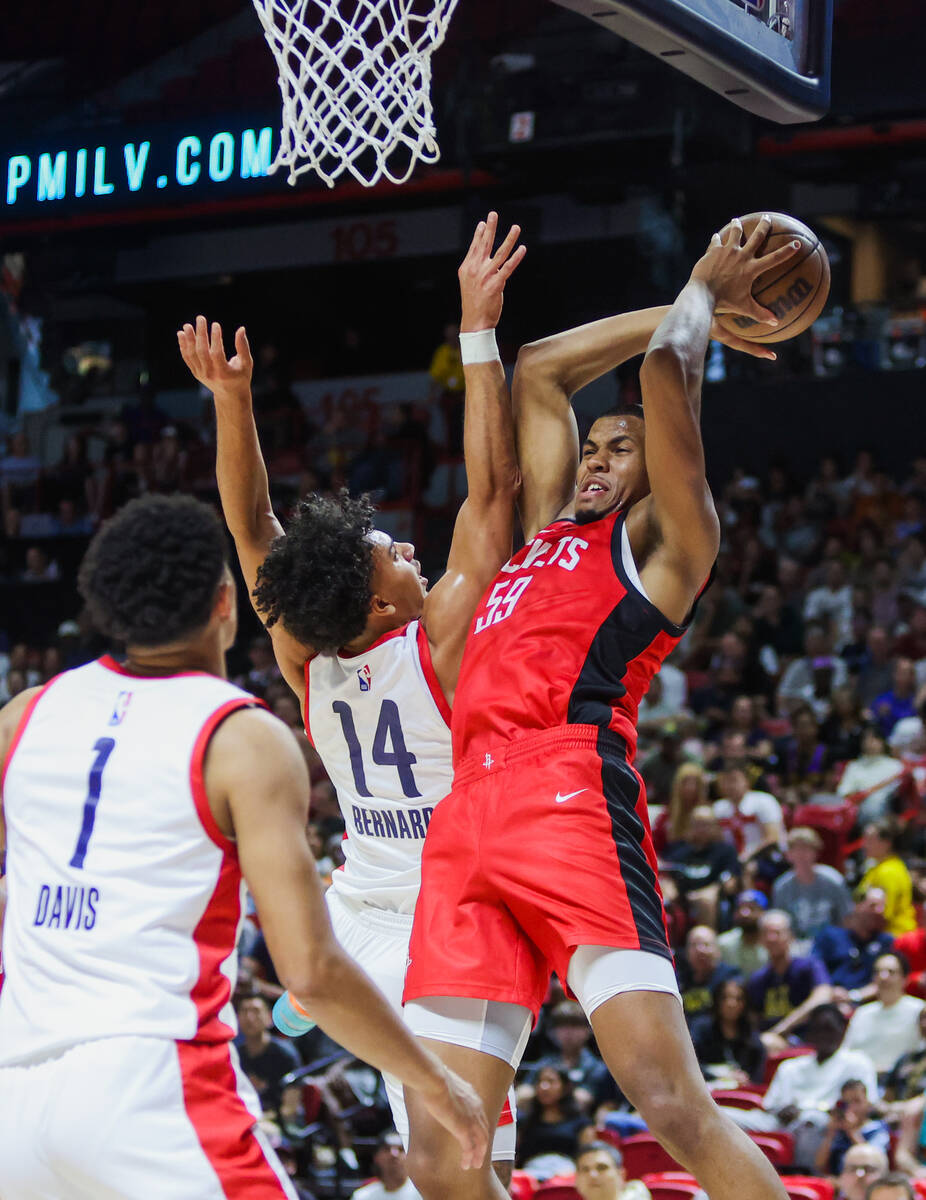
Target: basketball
{"points": [[797, 291]]}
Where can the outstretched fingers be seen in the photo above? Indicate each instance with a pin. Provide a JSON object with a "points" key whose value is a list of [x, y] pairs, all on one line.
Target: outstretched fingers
{"points": [[734, 233], [507, 246], [776, 258], [756, 239], [506, 270]]}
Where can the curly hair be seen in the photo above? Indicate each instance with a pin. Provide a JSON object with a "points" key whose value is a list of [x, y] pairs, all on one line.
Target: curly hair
{"points": [[318, 579], [150, 574]]}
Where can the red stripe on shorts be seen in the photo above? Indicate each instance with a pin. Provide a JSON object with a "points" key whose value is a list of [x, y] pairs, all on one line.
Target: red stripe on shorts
{"points": [[223, 1124], [507, 1117]]}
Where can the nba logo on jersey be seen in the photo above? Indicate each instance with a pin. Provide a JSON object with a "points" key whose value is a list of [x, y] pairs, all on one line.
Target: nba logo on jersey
{"points": [[120, 708], [365, 677]]}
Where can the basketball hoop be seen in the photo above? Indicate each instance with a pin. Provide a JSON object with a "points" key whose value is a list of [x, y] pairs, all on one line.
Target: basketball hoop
{"points": [[355, 77]]}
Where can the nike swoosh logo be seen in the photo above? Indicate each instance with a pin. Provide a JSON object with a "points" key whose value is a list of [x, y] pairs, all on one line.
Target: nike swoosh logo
{"points": [[561, 799]]}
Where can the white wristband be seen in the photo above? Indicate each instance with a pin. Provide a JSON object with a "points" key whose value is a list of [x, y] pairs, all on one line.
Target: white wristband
{"points": [[479, 347]]}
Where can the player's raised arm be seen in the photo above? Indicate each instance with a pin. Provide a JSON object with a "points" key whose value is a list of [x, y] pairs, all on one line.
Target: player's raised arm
{"points": [[483, 531], [681, 509], [258, 789], [242, 476], [548, 374]]}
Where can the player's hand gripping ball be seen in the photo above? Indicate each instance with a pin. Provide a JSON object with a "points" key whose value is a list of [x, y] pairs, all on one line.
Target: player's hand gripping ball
{"points": [[795, 291]]}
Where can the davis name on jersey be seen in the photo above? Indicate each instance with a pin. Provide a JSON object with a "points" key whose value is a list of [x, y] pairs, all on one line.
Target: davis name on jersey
{"points": [[381, 725], [565, 635], [124, 897]]}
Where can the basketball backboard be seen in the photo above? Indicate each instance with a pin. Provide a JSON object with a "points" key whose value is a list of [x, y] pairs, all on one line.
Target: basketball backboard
{"points": [[771, 57]]}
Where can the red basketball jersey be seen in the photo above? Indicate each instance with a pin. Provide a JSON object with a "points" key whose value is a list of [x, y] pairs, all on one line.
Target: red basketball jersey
{"points": [[564, 636]]}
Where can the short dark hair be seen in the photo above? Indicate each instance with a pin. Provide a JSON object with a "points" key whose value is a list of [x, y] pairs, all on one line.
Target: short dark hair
{"points": [[827, 1012], [601, 1148], [630, 409], [895, 1179], [901, 958], [151, 573], [318, 579]]}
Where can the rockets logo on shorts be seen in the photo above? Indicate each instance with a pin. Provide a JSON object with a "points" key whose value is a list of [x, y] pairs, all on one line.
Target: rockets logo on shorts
{"points": [[365, 677]]}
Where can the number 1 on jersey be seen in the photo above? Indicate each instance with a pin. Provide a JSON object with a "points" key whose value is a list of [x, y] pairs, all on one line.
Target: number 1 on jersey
{"points": [[103, 748]]}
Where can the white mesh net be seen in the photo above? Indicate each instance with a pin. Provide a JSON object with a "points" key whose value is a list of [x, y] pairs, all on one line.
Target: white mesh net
{"points": [[355, 76]]}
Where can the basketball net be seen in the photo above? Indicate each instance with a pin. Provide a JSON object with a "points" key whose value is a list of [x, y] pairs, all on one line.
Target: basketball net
{"points": [[355, 77]]}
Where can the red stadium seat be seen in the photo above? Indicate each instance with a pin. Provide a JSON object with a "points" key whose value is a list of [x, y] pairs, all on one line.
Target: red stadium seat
{"points": [[560, 1187], [523, 1185], [833, 822], [738, 1098], [777, 1057], [611, 1136], [671, 1185], [777, 1147], [643, 1155], [808, 1187]]}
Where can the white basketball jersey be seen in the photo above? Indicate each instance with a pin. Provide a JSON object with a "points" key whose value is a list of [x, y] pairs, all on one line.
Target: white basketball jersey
{"points": [[382, 727], [124, 897]]}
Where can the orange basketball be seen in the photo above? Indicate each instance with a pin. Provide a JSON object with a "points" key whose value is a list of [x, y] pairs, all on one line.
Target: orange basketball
{"points": [[797, 290]]}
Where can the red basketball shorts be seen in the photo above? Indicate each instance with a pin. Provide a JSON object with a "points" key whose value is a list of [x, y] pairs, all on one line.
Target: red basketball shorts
{"points": [[542, 846]]}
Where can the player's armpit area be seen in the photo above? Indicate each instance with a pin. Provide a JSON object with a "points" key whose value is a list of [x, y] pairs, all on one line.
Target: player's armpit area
{"points": [[258, 789]]}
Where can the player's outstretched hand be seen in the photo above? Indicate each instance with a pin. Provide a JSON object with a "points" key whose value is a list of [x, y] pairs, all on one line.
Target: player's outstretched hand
{"points": [[457, 1107], [729, 267], [203, 352], [483, 275]]}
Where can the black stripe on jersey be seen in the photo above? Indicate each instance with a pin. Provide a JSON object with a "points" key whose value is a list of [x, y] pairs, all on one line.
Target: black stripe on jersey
{"points": [[621, 789]]}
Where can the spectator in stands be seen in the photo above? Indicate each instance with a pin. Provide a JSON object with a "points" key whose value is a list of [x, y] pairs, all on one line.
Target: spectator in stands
{"points": [[910, 1150], [803, 757], [813, 895], [393, 1183], [20, 472], [842, 730], [783, 993], [446, 372], [900, 701], [688, 792], [591, 1081], [726, 1044], [811, 679], [907, 1077], [552, 1120], [755, 816], [600, 1174], [805, 1089], [861, 1167], [778, 627], [912, 644], [886, 870], [893, 1186], [700, 970], [264, 1059], [911, 563], [830, 604], [664, 702], [878, 668], [741, 947], [744, 719], [39, 567], [889, 1026], [704, 865], [659, 768], [849, 951], [872, 779], [851, 1123]]}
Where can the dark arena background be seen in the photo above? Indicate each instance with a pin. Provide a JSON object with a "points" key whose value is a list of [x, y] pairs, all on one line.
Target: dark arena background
{"points": [[135, 193]]}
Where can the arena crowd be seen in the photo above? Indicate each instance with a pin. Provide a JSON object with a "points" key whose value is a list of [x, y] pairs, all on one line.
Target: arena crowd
{"points": [[784, 753]]}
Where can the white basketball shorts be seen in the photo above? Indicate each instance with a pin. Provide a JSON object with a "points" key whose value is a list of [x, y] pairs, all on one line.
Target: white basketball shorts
{"points": [[126, 1117], [377, 940]]}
